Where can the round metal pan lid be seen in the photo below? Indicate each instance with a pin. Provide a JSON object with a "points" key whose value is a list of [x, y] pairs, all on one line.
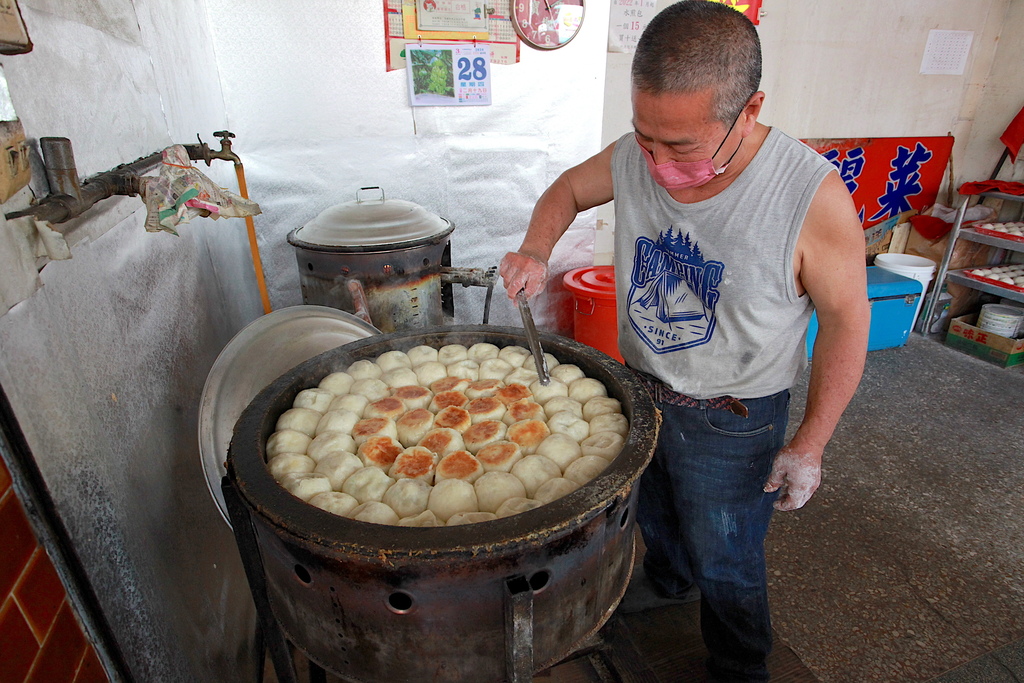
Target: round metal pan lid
{"points": [[371, 221], [263, 351]]}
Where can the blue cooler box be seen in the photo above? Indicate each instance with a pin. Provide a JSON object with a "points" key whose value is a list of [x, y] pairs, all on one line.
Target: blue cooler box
{"points": [[893, 300]]}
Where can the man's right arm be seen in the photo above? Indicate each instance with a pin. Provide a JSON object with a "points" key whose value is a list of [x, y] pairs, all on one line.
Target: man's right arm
{"points": [[580, 188]]}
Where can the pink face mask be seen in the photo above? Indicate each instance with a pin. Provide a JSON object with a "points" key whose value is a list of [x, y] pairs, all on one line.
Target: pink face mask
{"points": [[679, 175]]}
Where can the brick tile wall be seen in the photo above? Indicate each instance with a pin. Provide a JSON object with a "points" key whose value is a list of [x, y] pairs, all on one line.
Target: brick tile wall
{"points": [[40, 638]]}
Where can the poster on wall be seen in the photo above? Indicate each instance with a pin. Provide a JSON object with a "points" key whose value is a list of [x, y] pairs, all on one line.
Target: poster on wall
{"points": [[888, 176], [750, 8], [627, 21], [402, 27]]}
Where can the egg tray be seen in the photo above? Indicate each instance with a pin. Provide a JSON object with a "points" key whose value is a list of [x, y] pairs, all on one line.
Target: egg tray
{"points": [[990, 281], [1001, 235]]}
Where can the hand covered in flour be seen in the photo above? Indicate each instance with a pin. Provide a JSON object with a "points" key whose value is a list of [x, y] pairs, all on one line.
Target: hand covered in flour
{"points": [[519, 271], [795, 474]]}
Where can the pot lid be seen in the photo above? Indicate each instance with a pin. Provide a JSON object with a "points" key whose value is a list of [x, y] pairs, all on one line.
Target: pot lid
{"points": [[264, 350], [593, 281], [372, 221]]}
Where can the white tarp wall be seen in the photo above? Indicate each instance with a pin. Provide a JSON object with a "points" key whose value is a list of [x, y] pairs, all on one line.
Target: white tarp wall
{"points": [[104, 365], [318, 116]]}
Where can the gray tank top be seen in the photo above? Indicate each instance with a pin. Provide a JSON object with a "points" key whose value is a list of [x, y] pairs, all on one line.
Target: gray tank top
{"points": [[706, 296]]}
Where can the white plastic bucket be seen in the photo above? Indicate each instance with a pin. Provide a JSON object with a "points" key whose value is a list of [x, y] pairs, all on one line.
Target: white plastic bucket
{"points": [[916, 267], [1002, 320]]}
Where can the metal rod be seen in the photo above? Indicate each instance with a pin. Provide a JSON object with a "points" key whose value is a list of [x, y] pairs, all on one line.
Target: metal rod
{"points": [[940, 277], [248, 549], [53, 536]]}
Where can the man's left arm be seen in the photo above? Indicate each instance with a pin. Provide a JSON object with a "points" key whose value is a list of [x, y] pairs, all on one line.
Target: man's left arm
{"points": [[829, 265]]}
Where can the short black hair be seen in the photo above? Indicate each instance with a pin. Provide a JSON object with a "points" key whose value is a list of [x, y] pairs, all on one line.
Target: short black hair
{"points": [[695, 45]]}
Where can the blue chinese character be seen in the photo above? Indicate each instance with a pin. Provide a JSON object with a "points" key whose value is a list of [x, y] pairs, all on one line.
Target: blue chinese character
{"points": [[904, 181], [849, 168]]}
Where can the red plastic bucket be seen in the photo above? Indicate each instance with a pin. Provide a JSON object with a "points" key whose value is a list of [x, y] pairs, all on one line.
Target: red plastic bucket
{"points": [[595, 322]]}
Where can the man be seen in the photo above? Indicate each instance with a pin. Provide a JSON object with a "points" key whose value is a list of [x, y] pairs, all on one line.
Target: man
{"points": [[726, 231]]}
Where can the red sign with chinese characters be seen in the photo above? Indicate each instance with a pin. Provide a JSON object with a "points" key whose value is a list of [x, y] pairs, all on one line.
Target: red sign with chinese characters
{"points": [[888, 176], [751, 8]]}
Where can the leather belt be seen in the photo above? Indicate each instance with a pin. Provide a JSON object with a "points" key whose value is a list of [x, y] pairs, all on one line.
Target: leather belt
{"points": [[662, 394]]}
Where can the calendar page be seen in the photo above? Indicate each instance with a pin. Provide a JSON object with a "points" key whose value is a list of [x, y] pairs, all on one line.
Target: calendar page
{"points": [[448, 74]]}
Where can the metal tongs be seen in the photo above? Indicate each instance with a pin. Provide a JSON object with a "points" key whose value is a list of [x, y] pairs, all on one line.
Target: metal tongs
{"points": [[532, 338]]}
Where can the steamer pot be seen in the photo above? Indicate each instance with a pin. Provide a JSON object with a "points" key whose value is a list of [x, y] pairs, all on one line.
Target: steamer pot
{"points": [[387, 261], [385, 603]]}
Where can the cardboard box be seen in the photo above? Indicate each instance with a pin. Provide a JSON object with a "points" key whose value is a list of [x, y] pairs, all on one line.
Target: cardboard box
{"points": [[1002, 351]]}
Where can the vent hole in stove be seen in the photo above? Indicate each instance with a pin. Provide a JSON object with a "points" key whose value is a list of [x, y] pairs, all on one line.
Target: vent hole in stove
{"points": [[303, 574], [538, 580], [400, 602], [624, 520]]}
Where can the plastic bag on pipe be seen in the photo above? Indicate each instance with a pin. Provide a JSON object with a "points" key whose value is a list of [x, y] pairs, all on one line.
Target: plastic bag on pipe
{"points": [[181, 192]]}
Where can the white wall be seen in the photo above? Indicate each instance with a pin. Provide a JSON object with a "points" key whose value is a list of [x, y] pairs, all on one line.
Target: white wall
{"points": [[845, 69], [317, 117], [104, 365]]}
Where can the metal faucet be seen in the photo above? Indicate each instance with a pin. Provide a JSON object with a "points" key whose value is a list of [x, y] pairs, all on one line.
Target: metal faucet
{"points": [[203, 152]]}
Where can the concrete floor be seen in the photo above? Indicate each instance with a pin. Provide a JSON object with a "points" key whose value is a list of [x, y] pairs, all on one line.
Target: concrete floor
{"points": [[907, 565], [909, 561]]}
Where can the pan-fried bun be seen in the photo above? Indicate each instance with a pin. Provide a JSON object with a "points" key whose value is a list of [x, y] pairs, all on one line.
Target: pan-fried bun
{"points": [[523, 410], [585, 468], [451, 496], [335, 502], [414, 463], [528, 434], [374, 512], [302, 420], [494, 488], [425, 518], [407, 497], [453, 418], [460, 518], [413, 396], [287, 441], [413, 426], [514, 506], [534, 470], [286, 463], [314, 399], [372, 426], [389, 407], [499, 456], [418, 355], [483, 433], [495, 368], [365, 369], [458, 465], [330, 442], [369, 483], [553, 489], [607, 445], [337, 421], [379, 451], [599, 405], [430, 372], [511, 393], [485, 408], [442, 441], [338, 383], [338, 467]]}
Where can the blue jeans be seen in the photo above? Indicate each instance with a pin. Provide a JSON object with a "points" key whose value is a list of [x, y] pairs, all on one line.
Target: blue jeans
{"points": [[704, 516]]}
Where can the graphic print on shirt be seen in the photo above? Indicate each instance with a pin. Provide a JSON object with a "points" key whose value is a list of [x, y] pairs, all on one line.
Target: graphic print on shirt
{"points": [[673, 292]]}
